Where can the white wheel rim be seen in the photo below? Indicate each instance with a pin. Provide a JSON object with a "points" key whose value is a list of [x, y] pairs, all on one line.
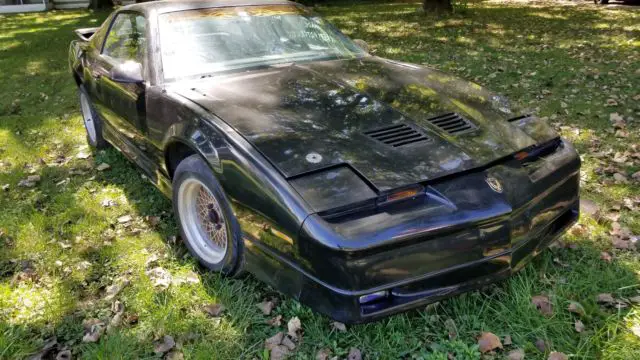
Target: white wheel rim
{"points": [[202, 220], [87, 117]]}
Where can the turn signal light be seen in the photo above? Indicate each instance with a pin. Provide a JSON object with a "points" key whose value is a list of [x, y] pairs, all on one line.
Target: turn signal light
{"points": [[404, 194]]}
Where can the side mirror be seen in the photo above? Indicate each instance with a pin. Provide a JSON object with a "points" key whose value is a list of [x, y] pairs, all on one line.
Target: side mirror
{"points": [[129, 72], [363, 44]]}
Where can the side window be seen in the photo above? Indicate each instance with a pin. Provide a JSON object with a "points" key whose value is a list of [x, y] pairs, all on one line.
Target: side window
{"points": [[126, 39]]}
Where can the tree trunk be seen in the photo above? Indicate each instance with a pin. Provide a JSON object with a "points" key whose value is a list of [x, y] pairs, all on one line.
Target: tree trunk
{"points": [[437, 6]]}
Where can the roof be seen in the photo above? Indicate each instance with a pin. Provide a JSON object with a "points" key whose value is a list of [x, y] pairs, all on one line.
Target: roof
{"points": [[165, 6]]}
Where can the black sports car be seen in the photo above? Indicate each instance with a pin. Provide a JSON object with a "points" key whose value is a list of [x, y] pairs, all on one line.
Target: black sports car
{"points": [[359, 185]]}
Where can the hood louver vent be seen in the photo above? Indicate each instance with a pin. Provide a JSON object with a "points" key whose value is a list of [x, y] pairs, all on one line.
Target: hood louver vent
{"points": [[397, 135], [452, 123]]}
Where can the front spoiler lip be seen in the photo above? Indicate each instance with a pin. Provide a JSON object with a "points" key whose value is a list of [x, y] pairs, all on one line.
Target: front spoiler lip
{"points": [[325, 298]]}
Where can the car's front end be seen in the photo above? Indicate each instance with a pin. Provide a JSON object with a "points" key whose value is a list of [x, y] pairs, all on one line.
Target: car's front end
{"points": [[452, 235]]}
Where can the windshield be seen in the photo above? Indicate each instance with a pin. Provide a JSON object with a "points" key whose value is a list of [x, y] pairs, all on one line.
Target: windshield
{"points": [[206, 41]]}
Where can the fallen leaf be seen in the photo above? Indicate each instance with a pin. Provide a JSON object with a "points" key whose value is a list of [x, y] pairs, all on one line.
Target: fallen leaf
{"points": [[174, 355], [635, 330], [275, 321], [266, 307], [576, 308], [488, 342], [103, 167], [451, 327], [165, 345], [635, 299], [557, 356], [116, 320], [620, 244], [541, 345], [542, 303], [605, 298], [64, 355], [323, 354], [589, 208], [286, 341], [507, 341], [114, 289], [279, 352], [517, 354], [124, 219], [338, 326], [612, 102], [606, 256], [94, 331], [354, 354], [214, 310], [294, 326], [579, 326], [159, 277], [274, 341]]}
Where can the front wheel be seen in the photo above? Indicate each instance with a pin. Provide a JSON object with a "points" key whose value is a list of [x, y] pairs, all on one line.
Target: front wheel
{"points": [[206, 221]]}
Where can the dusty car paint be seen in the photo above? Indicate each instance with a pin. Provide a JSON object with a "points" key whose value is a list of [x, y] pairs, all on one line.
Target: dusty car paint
{"points": [[290, 146]]}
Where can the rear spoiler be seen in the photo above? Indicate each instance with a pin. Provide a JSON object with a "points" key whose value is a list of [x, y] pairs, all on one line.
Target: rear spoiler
{"points": [[85, 33]]}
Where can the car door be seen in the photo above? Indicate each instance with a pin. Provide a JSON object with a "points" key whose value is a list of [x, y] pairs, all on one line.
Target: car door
{"points": [[121, 103]]}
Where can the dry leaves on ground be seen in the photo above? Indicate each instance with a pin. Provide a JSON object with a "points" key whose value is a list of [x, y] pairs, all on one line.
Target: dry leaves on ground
{"points": [[213, 310], [294, 327], [488, 341], [557, 356], [517, 354], [338, 326], [164, 345], [576, 308], [542, 303], [354, 354], [266, 307], [579, 326]]}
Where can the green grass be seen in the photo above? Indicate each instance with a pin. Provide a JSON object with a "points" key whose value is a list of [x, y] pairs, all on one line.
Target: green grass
{"points": [[563, 62]]}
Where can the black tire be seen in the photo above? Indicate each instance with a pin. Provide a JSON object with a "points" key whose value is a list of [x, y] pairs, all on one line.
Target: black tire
{"points": [[193, 167], [99, 142]]}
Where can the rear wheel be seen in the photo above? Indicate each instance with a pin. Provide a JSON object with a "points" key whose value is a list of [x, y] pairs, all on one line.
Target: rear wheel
{"points": [[206, 221], [92, 122]]}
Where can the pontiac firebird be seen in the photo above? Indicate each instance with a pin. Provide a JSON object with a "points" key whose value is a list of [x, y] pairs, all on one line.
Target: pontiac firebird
{"points": [[360, 186]]}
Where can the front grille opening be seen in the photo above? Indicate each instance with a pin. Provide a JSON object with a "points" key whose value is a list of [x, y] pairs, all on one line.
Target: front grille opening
{"points": [[397, 135], [453, 123]]}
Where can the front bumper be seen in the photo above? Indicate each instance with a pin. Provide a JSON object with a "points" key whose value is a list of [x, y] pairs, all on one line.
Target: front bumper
{"points": [[462, 236]]}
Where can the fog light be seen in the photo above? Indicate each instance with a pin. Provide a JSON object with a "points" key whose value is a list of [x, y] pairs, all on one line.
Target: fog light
{"points": [[369, 298]]}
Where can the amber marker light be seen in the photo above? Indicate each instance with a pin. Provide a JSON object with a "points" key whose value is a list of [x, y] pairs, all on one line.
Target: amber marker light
{"points": [[404, 194], [521, 155]]}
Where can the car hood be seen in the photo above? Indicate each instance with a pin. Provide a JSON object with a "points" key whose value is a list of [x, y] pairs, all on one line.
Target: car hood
{"points": [[304, 117]]}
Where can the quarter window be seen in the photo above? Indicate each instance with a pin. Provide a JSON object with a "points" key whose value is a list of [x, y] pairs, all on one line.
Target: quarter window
{"points": [[126, 40]]}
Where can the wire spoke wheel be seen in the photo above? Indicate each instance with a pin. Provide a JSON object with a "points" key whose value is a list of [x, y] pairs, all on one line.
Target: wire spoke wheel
{"points": [[202, 220], [87, 117]]}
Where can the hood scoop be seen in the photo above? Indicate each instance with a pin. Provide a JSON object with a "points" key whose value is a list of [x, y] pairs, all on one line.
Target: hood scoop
{"points": [[397, 135], [453, 123]]}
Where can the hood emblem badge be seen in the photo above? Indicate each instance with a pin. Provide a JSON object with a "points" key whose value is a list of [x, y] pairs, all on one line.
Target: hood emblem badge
{"points": [[314, 157], [494, 184]]}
